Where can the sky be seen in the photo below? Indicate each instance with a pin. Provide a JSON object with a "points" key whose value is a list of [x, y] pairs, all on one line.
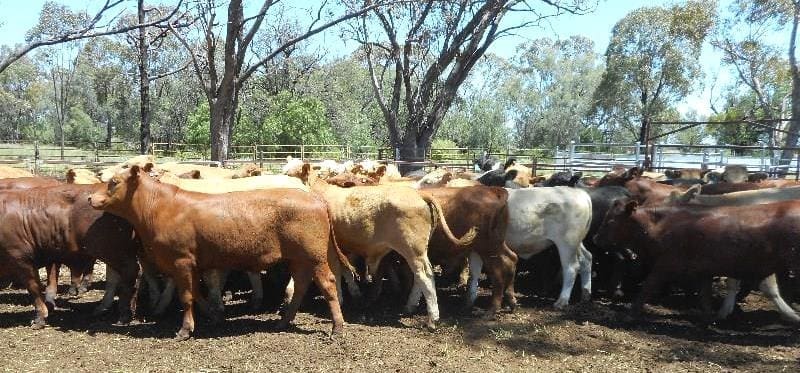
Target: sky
{"points": [[19, 16]]}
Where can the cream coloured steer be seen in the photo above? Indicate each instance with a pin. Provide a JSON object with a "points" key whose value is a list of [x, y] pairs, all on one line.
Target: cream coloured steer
{"points": [[540, 217]]}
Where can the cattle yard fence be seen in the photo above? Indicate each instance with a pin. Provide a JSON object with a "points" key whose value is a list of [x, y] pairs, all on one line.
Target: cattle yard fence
{"points": [[589, 158]]}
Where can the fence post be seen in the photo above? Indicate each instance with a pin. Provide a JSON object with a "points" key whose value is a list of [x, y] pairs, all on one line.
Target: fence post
{"points": [[571, 154], [636, 153], [302, 152], [96, 153], [797, 168], [705, 158], [36, 157], [763, 154]]}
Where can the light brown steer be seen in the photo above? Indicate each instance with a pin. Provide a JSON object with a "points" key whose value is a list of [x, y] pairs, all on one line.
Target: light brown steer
{"points": [[185, 233]]}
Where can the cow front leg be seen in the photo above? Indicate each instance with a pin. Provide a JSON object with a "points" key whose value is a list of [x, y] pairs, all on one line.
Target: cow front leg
{"points": [[732, 289], [29, 276], [569, 256], [186, 279]]}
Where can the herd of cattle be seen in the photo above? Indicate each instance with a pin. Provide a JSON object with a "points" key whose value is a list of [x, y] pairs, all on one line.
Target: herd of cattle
{"points": [[179, 226]]}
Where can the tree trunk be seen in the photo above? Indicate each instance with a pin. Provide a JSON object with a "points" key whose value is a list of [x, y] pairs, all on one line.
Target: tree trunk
{"points": [[416, 141], [109, 131], [221, 118], [144, 84]]}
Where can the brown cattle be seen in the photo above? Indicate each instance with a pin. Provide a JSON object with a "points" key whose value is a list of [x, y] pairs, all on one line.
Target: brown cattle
{"points": [[27, 182], [56, 224], [187, 232], [646, 191], [485, 208], [372, 221], [698, 242]]}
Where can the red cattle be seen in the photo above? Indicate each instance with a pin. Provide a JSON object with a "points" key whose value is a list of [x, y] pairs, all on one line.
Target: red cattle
{"points": [[698, 242], [56, 224], [185, 233], [27, 183]]}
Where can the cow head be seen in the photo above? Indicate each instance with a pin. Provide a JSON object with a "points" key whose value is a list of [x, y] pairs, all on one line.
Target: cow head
{"points": [[565, 178], [119, 190], [618, 225], [619, 177]]}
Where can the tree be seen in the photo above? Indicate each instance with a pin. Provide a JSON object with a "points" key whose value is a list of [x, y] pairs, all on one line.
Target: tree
{"points": [[758, 66], [222, 84], [88, 27], [781, 14], [429, 48], [21, 89], [550, 90], [652, 62], [480, 112]]}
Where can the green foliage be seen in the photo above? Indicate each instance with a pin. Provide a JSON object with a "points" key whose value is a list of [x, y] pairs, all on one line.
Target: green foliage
{"points": [[549, 90], [738, 107], [289, 120], [440, 148], [652, 62], [81, 129], [198, 126]]}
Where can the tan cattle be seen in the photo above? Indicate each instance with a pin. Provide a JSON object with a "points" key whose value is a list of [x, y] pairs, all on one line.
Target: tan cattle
{"points": [[748, 197], [373, 221], [8, 172], [233, 185], [139, 160], [82, 176]]}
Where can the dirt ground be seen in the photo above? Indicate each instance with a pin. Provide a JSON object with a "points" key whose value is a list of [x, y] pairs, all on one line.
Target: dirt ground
{"points": [[594, 337]]}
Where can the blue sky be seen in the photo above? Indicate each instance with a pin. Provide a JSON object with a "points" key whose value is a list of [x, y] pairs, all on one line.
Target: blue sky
{"points": [[20, 15]]}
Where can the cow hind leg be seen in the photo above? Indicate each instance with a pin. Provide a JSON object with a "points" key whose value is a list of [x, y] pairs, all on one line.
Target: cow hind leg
{"points": [[423, 279], [769, 286], [215, 281], [569, 257], [165, 297], [475, 267], [585, 263], [257, 300], [326, 282], [509, 272], [112, 283], [732, 288]]}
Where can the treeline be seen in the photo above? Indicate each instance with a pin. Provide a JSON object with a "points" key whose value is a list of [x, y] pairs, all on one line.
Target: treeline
{"points": [[403, 86]]}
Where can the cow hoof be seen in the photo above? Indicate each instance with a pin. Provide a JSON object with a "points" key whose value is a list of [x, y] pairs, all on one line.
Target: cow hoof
{"points": [[37, 324], [560, 304], [183, 335], [586, 296], [336, 332], [431, 326], [282, 325], [124, 319]]}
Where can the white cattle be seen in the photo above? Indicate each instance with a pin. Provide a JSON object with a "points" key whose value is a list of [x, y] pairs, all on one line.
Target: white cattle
{"points": [[540, 217]]}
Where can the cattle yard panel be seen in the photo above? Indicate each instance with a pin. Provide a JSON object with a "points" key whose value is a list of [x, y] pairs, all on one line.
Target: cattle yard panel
{"points": [[588, 158]]}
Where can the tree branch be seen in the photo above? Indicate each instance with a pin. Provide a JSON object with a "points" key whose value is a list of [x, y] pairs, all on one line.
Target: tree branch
{"points": [[82, 33]]}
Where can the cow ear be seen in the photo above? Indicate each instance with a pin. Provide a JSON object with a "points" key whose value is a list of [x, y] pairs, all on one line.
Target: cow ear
{"points": [[380, 171], [71, 176], [147, 167], [134, 170], [511, 175], [305, 171], [575, 178], [195, 174], [631, 206]]}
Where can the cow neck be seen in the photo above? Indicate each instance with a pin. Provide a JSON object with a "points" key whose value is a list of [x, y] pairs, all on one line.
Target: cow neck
{"points": [[648, 225], [315, 183], [149, 199]]}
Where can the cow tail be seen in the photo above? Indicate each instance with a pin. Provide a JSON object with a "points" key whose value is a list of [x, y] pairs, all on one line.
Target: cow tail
{"points": [[436, 212], [339, 254]]}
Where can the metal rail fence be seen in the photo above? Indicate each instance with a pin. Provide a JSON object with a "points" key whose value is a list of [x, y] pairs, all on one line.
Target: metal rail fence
{"points": [[594, 158]]}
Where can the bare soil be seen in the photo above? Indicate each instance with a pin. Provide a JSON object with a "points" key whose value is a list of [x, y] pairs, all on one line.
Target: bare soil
{"points": [[593, 337]]}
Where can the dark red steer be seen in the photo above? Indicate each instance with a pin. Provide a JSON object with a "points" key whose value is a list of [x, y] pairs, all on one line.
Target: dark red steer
{"points": [[185, 233], [698, 242], [27, 183], [57, 224]]}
